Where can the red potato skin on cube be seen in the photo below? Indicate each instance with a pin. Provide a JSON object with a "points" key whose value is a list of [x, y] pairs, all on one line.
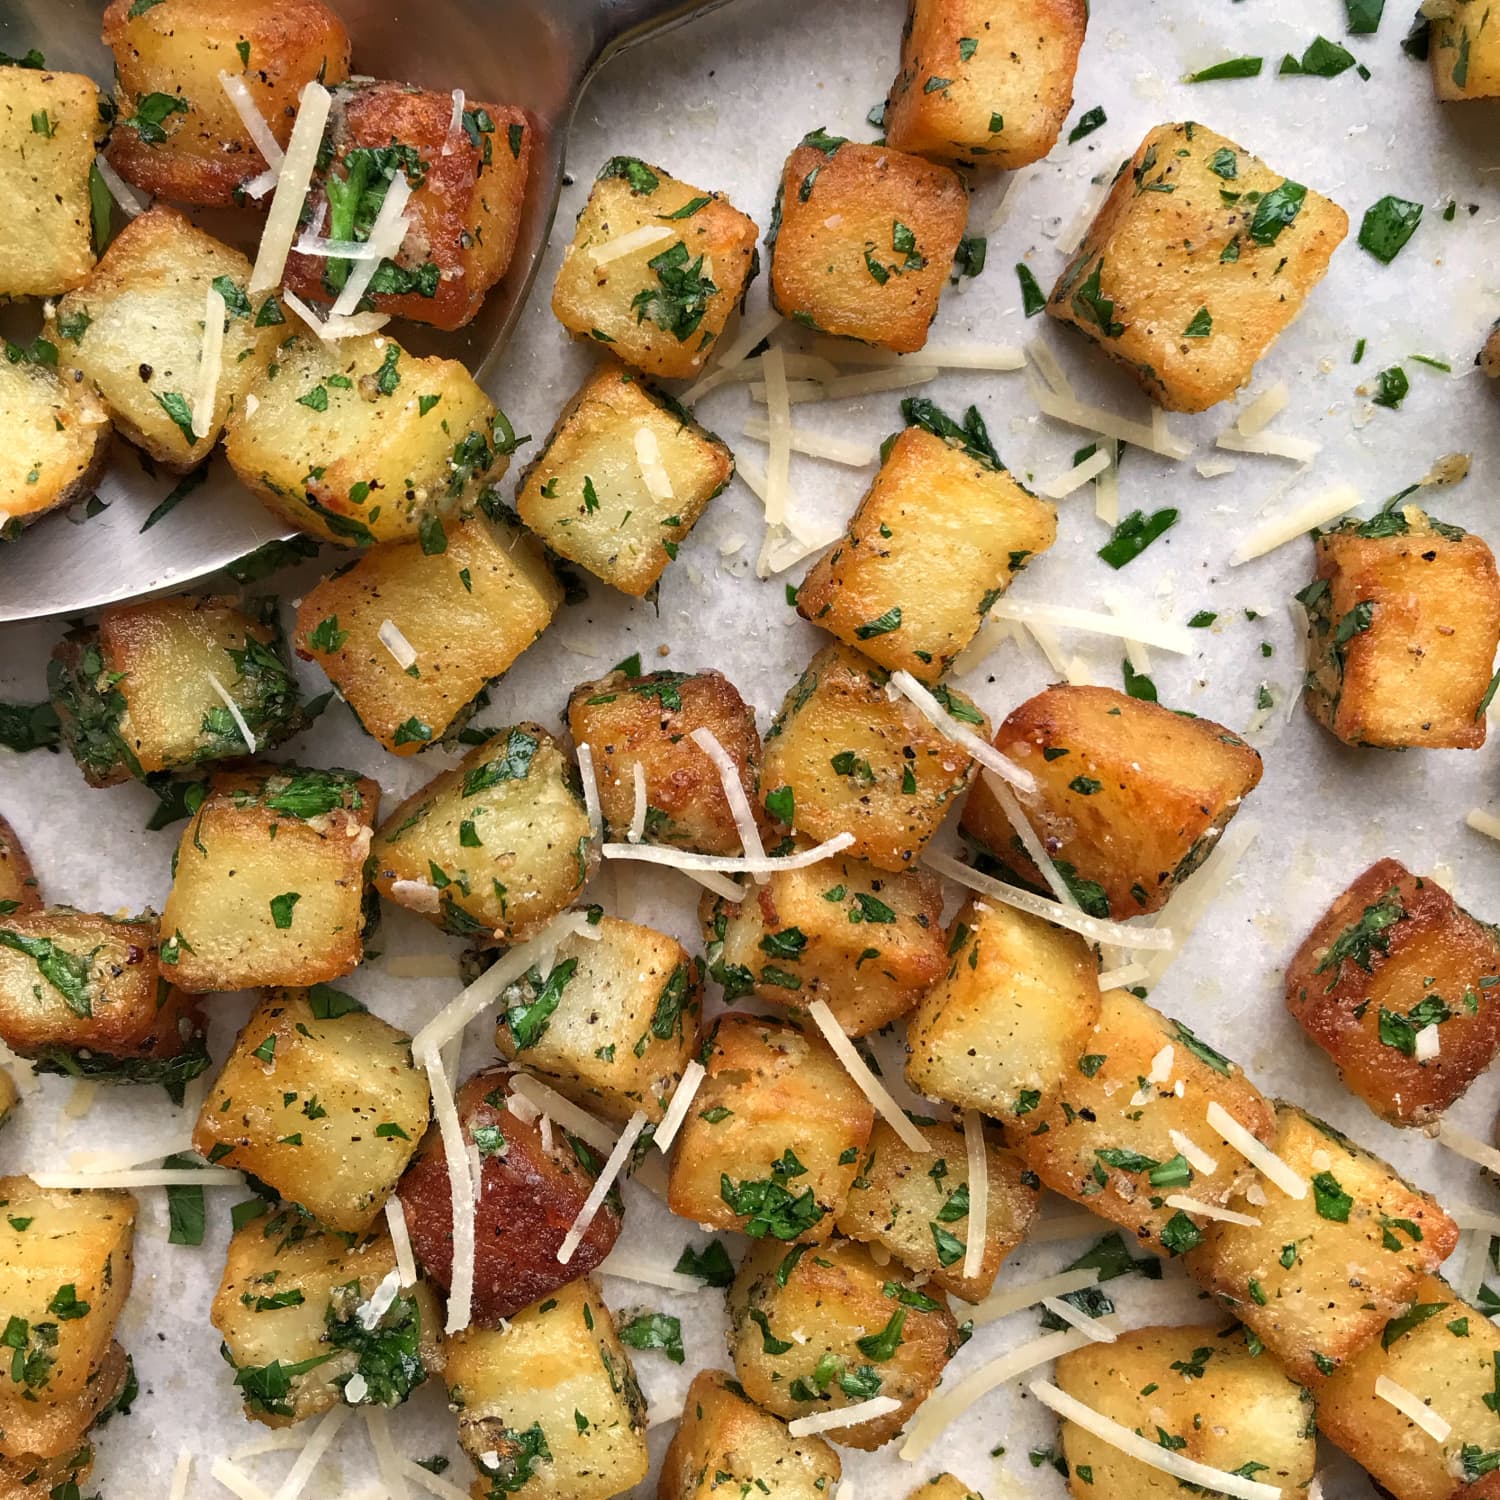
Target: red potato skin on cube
{"points": [[528, 1199]]}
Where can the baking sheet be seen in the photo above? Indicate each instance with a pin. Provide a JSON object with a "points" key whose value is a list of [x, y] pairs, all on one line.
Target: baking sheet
{"points": [[718, 103]]}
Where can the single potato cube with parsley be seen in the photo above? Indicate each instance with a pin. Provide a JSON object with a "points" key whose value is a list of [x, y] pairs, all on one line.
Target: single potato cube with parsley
{"points": [[468, 187], [1316, 1278], [864, 240], [655, 270], [821, 1327], [48, 125], [1463, 47], [1205, 1395], [774, 1137], [57, 435], [628, 719], [495, 847], [1198, 259], [178, 133], [269, 880], [1001, 1031], [846, 757], [726, 1445], [19, 891], [549, 1407], [145, 689], [937, 539], [916, 1206], [983, 83], [867, 942], [622, 480], [1404, 621], [52, 1436], [1130, 797], [306, 1321], [320, 1100], [467, 598]]}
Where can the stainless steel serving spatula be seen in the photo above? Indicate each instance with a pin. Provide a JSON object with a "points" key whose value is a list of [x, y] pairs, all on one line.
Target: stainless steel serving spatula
{"points": [[535, 53]]}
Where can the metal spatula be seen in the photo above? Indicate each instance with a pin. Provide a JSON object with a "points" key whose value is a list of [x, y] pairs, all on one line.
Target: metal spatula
{"points": [[535, 53]]}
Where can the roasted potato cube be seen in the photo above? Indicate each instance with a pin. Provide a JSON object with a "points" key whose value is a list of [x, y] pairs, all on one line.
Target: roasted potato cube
{"points": [[57, 434], [1317, 1278], [852, 759], [468, 610], [500, 844], [360, 442], [983, 83], [532, 1185], [178, 134], [1210, 1398], [320, 1100], [860, 1332], [298, 843], [19, 891], [648, 721], [866, 239], [135, 328], [47, 126], [293, 1306], [917, 1206], [1130, 797], [944, 1487], [1404, 619], [1002, 1030], [689, 258], [622, 479], [29, 1476], [468, 190], [726, 1444], [866, 942], [1200, 256], [774, 1137], [1464, 50], [52, 1433], [936, 540], [549, 1407]]}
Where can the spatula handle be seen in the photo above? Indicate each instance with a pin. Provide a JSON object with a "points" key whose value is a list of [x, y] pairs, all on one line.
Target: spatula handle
{"points": [[622, 22]]}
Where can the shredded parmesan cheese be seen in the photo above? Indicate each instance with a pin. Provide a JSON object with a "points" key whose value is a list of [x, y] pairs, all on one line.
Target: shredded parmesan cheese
{"points": [[385, 238], [1075, 413], [1265, 408], [292, 179], [734, 795], [590, 789], [1210, 1210], [1271, 445], [251, 118], [1034, 847], [1469, 1146], [854, 455], [1474, 1218], [844, 1416], [455, 123], [1078, 476], [378, 1423], [944, 722], [729, 864], [549, 1102], [753, 332], [979, 1193], [312, 1453], [778, 435], [629, 1268], [461, 1185], [1215, 468], [1015, 1299], [1261, 1157], [1413, 1408], [1277, 531], [630, 242], [676, 1111], [1093, 1328], [602, 1184], [182, 1471], [869, 1085], [1192, 1153], [1427, 1044], [120, 190], [637, 830], [1107, 490], [1122, 978], [401, 649], [210, 362], [1160, 1072], [234, 712], [1142, 628], [406, 1261], [144, 1177], [417, 895], [1483, 822], [648, 456], [370, 1313], [331, 330], [236, 1481]]}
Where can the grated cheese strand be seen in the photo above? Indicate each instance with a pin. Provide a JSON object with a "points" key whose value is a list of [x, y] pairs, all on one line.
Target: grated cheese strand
{"points": [[1470, 1146], [1092, 1328], [602, 1184], [1078, 476], [676, 1111], [406, 1261], [653, 472], [462, 1188], [1271, 444], [1260, 1156], [627, 1267], [753, 332], [1414, 1409], [734, 795], [1013, 810], [211, 1177], [210, 361], [837, 450], [1474, 1218], [236, 1481], [1483, 822], [980, 750], [256, 126], [120, 190], [1121, 978], [1075, 413], [331, 330], [728, 864], [455, 123], [1142, 628], [386, 235], [637, 830], [387, 1460], [629, 243], [1194, 1154], [234, 712], [1160, 1072], [402, 651], [590, 789], [1427, 1044], [1265, 408], [312, 1453], [1016, 1299], [843, 1416], [979, 1193], [292, 179], [1277, 531], [182, 1471], [1210, 1210], [869, 1085], [554, 1106]]}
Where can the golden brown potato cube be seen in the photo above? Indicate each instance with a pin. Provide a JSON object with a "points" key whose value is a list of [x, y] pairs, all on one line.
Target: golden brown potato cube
{"points": [[178, 134], [293, 1308], [53, 1433], [849, 758], [268, 885], [655, 269], [774, 1136], [1200, 256], [19, 891], [549, 1407], [1318, 1277], [1012, 1016], [1105, 1137], [1167, 1382], [1464, 50], [622, 480], [985, 83], [57, 436], [944, 1487], [498, 845], [817, 1328], [917, 1206], [48, 122], [468, 189], [1130, 797], [866, 240], [360, 442], [936, 540], [630, 720], [866, 942], [135, 328], [468, 598], [321, 1100], [29, 1476], [1404, 619]]}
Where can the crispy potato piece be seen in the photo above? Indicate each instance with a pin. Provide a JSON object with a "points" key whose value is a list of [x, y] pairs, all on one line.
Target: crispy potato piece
{"points": [[1198, 259], [29, 1476], [1404, 620], [866, 239], [1130, 796], [53, 1433], [660, 307], [19, 891], [862, 1332], [57, 437], [1488, 358], [468, 610], [944, 1487], [1464, 50], [774, 1137], [178, 135]]}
